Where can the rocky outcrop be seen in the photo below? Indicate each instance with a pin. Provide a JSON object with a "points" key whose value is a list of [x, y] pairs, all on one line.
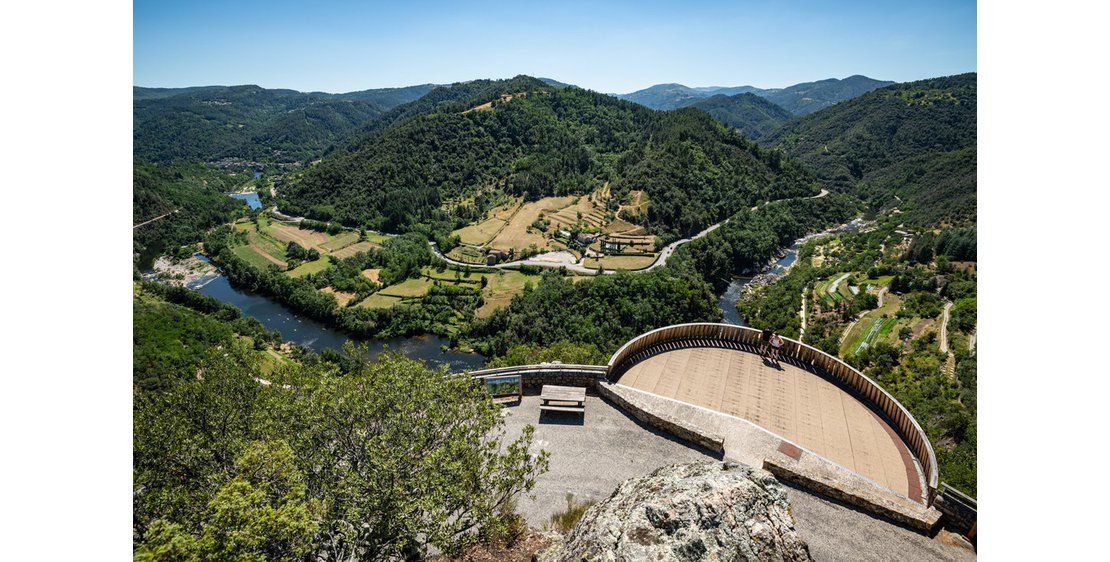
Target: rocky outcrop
{"points": [[698, 511]]}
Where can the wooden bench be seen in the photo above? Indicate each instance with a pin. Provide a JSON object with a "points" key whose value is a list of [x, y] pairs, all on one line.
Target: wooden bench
{"points": [[555, 398]]}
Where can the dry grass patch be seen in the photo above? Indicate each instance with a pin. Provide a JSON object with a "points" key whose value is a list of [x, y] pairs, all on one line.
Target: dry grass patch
{"points": [[500, 289], [373, 275], [478, 234], [621, 262], [341, 297], [307, 238], [516, 234]]}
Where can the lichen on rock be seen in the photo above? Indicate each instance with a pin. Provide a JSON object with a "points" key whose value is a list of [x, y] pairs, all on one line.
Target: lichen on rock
{"points": [[698, 511]]}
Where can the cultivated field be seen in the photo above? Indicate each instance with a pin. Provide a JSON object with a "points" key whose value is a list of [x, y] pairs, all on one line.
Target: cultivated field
{"points": [[354, 249], [308, 268], [466, 254], [500, 289], [340, 241], [378, 300], [873, 327], [286, 233], [621, 262], [519, 233], [408, 288]]}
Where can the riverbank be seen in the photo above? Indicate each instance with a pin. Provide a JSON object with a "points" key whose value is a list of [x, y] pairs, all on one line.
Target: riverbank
{"points": [[776, 266], [182, 273]]}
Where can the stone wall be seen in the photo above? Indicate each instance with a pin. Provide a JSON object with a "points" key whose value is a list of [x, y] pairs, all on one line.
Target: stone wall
{"points": [[533, 377]]}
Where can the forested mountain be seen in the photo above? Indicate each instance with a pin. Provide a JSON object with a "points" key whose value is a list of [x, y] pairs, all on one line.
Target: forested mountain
{"points": [[752, 115], [807, 97], [248, 122], [523, 137], [665, 96], [198, 193], [799, 99], [913, 142]]}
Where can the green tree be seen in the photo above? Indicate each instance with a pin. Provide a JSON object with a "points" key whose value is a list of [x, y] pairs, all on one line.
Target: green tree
{"points": [[262, 514], [400, 457]]}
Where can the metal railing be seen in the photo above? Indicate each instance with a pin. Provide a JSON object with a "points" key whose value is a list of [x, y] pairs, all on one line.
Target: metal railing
{"points": [[792, 351]]}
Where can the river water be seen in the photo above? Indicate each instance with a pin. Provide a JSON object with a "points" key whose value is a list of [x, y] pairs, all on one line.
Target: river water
{"points": [[314, 335], [727, 302], [251, 198]]}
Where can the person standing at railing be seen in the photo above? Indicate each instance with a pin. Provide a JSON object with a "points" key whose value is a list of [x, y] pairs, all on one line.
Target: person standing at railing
{"points": [[776, 346], [765, 342]]}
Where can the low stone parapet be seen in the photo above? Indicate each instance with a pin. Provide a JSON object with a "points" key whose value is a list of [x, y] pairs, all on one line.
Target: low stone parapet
{"points": [[533, 377]]}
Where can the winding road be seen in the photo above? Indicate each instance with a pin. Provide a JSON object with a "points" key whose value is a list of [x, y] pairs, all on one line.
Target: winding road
{"points": [[660, 260]]}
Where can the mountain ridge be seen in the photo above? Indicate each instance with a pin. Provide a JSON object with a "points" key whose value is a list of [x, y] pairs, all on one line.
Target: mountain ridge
{"points": [[799, 99]]}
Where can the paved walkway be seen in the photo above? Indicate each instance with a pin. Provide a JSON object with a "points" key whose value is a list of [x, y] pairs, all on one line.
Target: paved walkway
{"points": [[788, 401], [591, 454]]}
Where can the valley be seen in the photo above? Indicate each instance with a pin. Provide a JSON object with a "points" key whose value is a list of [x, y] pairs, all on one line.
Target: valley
{"points": [[499, 223]]}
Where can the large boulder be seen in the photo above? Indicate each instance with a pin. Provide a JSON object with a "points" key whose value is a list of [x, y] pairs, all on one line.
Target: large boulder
{"points": [[698, 511]]}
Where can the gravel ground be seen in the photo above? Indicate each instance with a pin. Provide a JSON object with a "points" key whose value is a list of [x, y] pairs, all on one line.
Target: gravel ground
{"points": [[591, 455]]}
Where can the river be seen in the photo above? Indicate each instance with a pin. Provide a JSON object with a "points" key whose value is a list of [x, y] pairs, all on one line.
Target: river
{"points": [[735, 290], [309, 333]]}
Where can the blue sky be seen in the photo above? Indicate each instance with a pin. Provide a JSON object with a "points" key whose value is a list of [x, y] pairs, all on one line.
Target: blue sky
{"points": [[615, 46]]}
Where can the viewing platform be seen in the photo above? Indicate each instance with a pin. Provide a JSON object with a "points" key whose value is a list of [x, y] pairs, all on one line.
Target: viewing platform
{"points": [[787, 400], [809, 417]]}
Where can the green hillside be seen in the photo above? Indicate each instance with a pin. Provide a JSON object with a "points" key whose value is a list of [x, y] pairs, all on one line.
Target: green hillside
{"points": [[445, 166], [808, 97], [910, 145], [209, 123], [752, 115]]}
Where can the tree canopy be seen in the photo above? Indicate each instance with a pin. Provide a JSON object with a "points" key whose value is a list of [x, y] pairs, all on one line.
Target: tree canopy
{"points": [[380, 462]]}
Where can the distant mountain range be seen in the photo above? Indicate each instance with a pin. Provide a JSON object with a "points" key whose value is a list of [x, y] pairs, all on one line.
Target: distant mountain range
{"points": [[910, 145], [748, 113], [799, 99], [212, 122]]}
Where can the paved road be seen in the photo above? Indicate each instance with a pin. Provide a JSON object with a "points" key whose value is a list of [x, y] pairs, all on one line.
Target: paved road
{"points": [[660, 260], [835, 284]]}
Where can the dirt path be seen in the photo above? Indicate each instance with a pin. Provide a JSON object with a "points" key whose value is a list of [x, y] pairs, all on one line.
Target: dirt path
{"points": [[944, 328], [175, 211], [802, 332]]}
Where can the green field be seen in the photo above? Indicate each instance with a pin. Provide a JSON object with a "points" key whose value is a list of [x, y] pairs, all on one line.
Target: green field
{"points": [[378, 300], [500, 289], [872, 327], [466, 254], [311, 267], [249, 255], [376, 238], [408, 288]]}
